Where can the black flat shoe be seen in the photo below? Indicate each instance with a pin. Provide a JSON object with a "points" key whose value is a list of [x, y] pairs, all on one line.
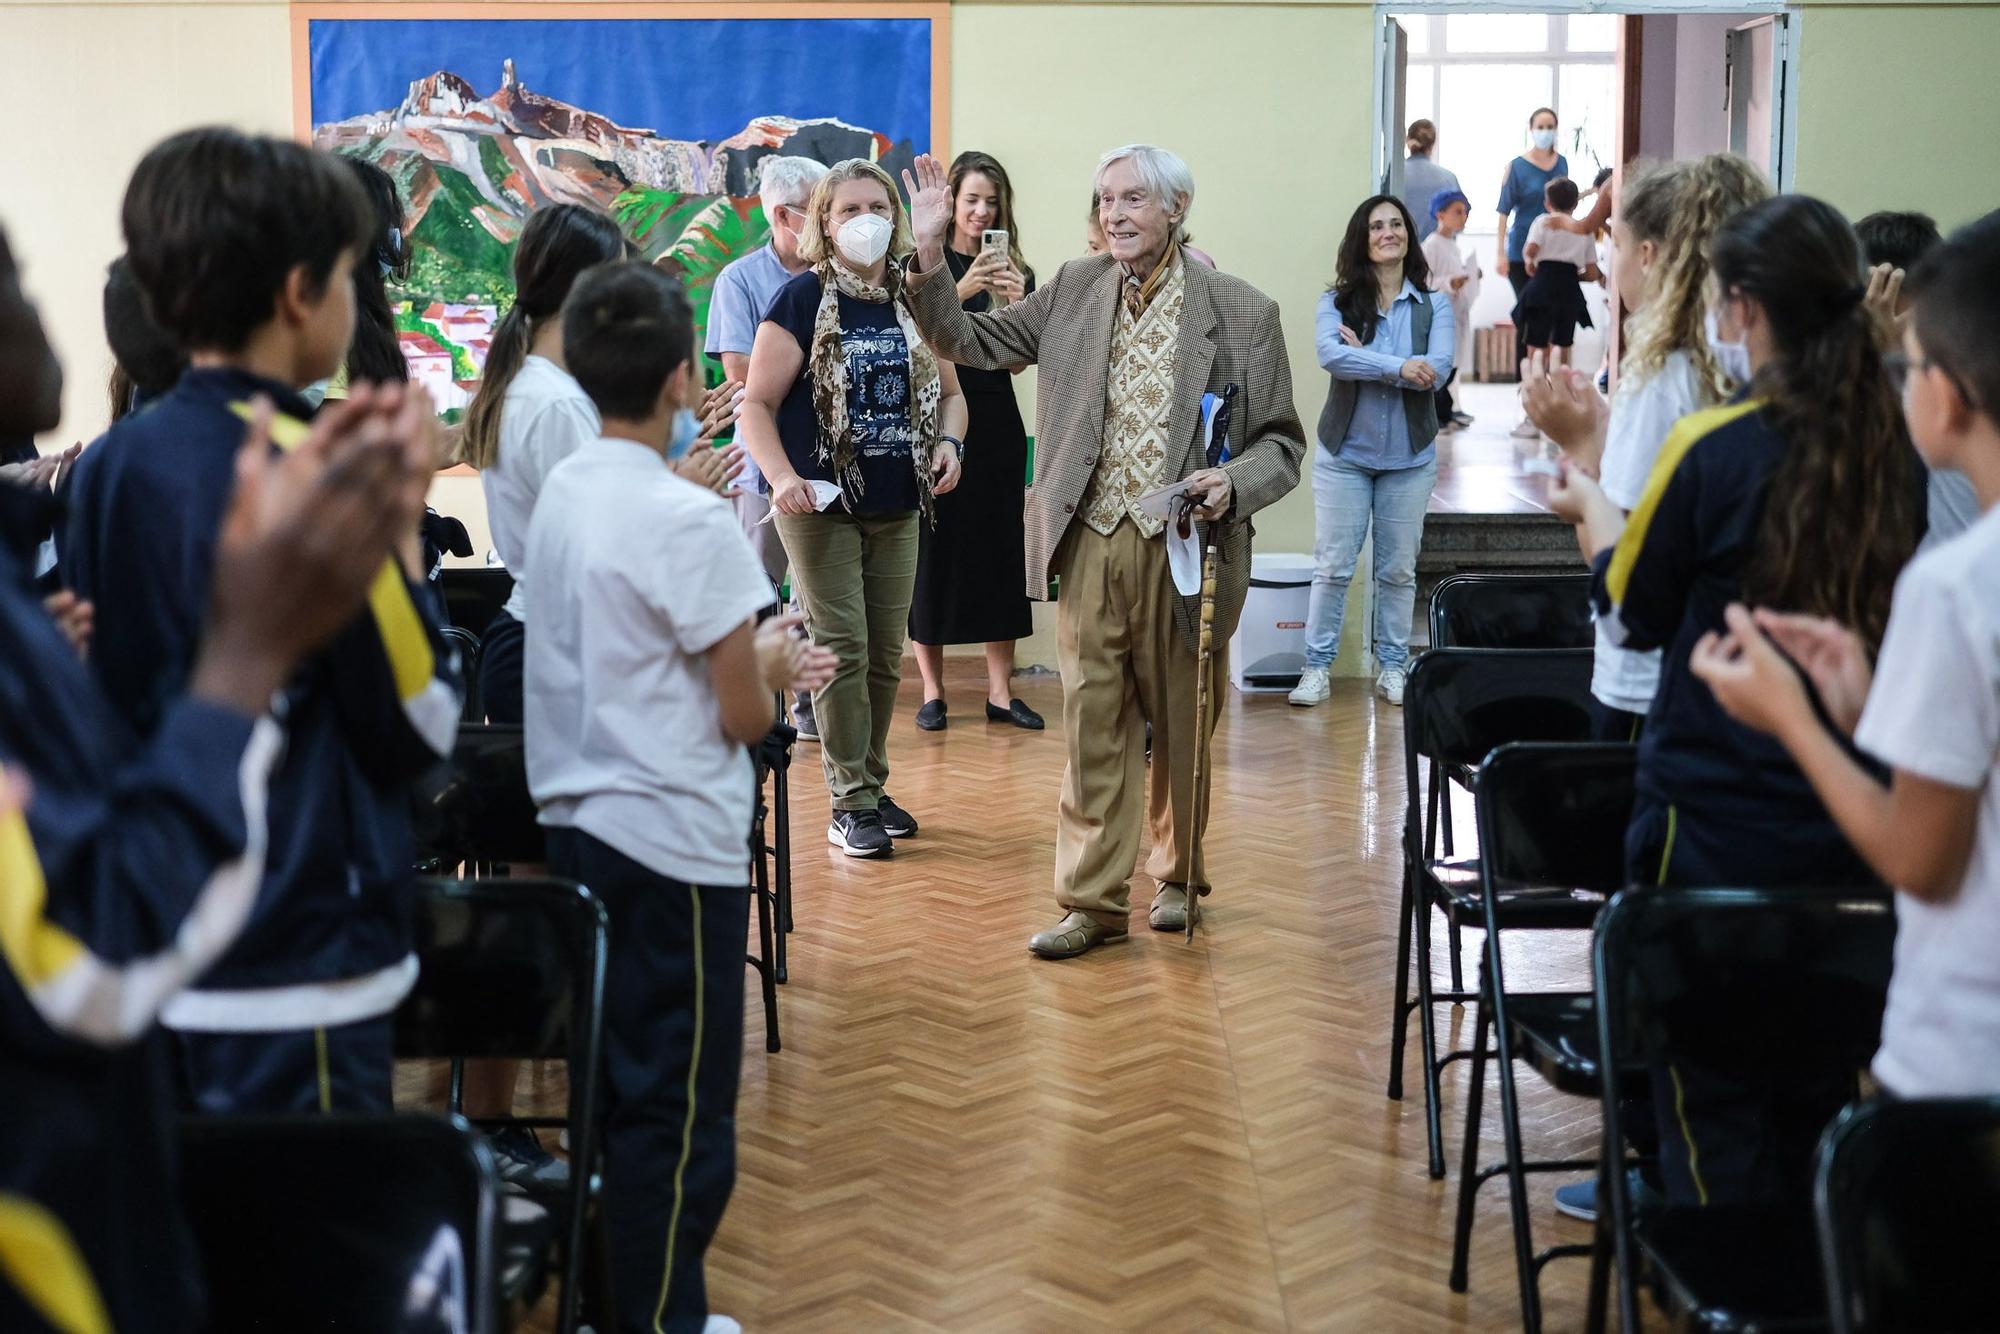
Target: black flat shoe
{"points": [[1017, 713], [931, 717]]}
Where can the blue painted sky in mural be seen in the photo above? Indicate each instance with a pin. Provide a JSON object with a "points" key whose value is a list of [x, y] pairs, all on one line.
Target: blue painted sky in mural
{"points": [[685, 78]]}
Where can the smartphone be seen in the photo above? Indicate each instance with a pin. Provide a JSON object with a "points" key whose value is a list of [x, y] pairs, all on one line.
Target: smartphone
{"points": [[994, 239]]}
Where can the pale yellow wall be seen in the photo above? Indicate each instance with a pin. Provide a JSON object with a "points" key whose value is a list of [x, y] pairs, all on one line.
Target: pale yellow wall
{"points": [[1898, 105], [94, 86]]}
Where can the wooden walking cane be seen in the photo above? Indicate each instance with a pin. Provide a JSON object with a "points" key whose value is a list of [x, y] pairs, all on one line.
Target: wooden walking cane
{"points": [[1204, 649], [1216, 414]]}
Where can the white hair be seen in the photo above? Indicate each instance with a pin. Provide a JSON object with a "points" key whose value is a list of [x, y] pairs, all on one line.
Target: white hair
{"points": [[1164, 175], [787, 181]]}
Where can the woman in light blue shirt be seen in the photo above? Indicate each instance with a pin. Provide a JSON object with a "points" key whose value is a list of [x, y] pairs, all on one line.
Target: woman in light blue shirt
{"points": [[1386, 341]]}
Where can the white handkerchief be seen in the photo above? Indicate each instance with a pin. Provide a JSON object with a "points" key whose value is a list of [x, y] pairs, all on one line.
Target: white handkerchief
{"points": [[1184, 558], [824, 494]]}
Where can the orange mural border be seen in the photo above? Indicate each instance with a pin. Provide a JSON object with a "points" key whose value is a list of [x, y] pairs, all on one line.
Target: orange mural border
{"points": [[303, 12]]}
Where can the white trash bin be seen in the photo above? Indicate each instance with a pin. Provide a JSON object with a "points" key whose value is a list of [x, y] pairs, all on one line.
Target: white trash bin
{"points": [[1267, 654]]}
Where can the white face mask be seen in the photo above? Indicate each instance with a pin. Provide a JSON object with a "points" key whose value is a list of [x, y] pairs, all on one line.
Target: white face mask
{"points": [[1732, 358], [863, 240], [1543, 139]]}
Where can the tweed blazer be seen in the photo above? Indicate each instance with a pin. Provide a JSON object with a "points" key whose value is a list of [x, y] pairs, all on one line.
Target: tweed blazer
{"points": [[1229, 334]]}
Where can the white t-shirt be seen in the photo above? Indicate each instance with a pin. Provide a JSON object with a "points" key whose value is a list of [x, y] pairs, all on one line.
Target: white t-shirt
{"points": [[635, 574], [1558, 244], [1643, 412], [1935, 712], [544, 419]]}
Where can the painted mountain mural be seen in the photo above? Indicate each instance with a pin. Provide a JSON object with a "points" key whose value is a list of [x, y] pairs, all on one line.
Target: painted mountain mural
{"points": [[471, 169]]}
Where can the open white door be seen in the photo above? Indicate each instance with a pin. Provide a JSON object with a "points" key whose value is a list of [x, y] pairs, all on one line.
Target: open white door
{"points": [[1759, 62], [1392, 71]]}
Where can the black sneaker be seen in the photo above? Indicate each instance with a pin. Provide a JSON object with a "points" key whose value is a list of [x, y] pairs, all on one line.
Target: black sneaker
{"points": [[803, 720], [859, 834], [524, 1164], [896, 822]]}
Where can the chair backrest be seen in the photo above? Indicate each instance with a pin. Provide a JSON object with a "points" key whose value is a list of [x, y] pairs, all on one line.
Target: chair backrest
{"points": [[382, 1223], [474, 594], [507, 968], [1461, 703], [467, 644], [1512, 611], [1555, 813], [1906, 1196], [1775, 988], [479, 810]]}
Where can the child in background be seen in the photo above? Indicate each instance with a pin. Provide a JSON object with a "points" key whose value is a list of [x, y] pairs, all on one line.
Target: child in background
{"points": [[647, 678], [1930, 709], [1894, 244], [1455, 273], [244, 248], [1661, 233], [1558, 260]]}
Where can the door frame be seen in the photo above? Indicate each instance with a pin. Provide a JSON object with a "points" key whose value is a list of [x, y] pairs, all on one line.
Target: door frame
{"points": [[1388, 138]]}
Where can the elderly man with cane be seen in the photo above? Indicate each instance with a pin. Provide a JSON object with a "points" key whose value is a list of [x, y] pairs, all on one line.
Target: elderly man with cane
{"points": [[1127, 346]]}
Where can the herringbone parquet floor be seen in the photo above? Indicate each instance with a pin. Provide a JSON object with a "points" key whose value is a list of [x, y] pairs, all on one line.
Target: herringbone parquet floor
{"points": [[1159, 1136]]}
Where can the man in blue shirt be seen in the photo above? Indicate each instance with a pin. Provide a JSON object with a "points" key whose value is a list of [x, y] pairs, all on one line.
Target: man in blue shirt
{"points": [[742, 295]]}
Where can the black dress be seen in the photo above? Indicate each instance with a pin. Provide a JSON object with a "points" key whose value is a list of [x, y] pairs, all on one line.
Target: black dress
{"points": [[970, 586]]}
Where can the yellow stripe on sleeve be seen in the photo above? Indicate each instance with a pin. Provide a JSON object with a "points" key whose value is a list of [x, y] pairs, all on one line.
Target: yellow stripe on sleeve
{"points": [[396, 619], [41, 1260], [1686, 433], [35, 948]]}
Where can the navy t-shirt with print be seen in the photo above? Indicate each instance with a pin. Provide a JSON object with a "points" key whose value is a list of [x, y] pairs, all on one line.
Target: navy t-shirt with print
{"points": [[878, 396]]}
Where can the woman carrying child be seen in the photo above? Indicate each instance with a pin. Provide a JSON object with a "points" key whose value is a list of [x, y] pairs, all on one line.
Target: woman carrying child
{"points": [[1552, 305]]}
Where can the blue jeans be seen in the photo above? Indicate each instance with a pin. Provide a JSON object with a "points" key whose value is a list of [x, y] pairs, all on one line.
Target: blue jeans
{"points": [[1346, 499]]}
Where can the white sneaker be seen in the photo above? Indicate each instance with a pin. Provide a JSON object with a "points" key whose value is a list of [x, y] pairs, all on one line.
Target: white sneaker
{"points": [[1311, 689], [1389, 685], [721, 1324], [1525, 430]]}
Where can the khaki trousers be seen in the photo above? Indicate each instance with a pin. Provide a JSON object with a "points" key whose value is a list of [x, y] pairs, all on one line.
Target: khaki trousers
{"points": [[1123, 665], [855, 575]]}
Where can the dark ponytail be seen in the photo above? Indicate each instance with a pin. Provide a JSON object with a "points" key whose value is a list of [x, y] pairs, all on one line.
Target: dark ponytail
{"points": [[559, 243], [375, 354], [1841, 517]]}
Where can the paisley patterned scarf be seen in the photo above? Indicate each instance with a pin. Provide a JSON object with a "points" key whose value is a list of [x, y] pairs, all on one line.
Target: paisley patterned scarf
{"points": [[826, 360]]}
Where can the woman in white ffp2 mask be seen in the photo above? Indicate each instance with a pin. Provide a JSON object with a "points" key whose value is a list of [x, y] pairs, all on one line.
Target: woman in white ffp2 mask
{"points": [[858, 425]]}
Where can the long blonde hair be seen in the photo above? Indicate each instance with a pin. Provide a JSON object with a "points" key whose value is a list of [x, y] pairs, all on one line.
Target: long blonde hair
{"points": [[1679, 207], [816, 247]]}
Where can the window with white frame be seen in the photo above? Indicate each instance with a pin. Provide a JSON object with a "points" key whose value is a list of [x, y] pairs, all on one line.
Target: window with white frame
{"points": [[1478, 77]]}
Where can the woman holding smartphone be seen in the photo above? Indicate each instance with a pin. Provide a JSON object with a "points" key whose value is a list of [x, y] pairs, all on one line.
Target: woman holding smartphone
{"points": [[968, 590]]}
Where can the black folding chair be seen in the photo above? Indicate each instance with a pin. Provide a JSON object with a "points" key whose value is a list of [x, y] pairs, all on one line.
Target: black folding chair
{"points": [[1504, 611], [1773, 990], [382, 1223], [1512, 611], [514, 969], [467, 644], [1458, 705], [482, 817], [475, 594], [1552, 820], [1905, 1197]]}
